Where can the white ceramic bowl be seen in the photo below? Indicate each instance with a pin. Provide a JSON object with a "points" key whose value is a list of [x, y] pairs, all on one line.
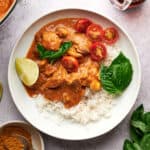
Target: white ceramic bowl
{"points": [[65, 129], [37, 140]]}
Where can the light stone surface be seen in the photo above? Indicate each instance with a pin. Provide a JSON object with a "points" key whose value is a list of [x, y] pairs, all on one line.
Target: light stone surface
{"points": [[137, 24]]}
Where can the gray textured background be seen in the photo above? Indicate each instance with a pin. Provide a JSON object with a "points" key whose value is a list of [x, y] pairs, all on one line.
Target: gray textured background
{"points": [[137, 24]]}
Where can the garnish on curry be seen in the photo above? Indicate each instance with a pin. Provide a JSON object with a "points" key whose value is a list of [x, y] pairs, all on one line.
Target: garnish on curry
{"points": [[69, 53]]}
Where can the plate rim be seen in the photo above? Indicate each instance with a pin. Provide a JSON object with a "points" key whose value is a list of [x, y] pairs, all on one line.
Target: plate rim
{"points": [[134, 49]]}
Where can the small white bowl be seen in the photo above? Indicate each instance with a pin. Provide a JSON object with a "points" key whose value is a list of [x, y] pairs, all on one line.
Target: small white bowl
{"points": [[8, 12], [37, 140]]}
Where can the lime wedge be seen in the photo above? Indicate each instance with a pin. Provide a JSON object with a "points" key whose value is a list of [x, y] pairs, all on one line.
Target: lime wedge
{"points": [[1, 91], [27, 70]]}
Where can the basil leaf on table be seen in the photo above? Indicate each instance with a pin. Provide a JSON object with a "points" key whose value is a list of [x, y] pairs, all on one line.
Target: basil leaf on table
{"points": [[139, 131], [136, 134], [146, 118], [145, 143], [138, 113], [136, 146], [117, 76], [140, 125], [52, 55], [128, 145]]}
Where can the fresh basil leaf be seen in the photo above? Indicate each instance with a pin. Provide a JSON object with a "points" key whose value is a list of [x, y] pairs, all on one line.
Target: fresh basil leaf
{"points": [[139, 130], [146, 118], [63, 49], [145, 143], [117, 76], [120, 59], [122, 75], [136, 134], [136, 146], [106, 79], [138, 113], [51, 55], [43, 52], [128, 145], [140, 125]]}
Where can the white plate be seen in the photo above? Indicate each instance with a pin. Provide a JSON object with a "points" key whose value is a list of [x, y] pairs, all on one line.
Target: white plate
{"points": [[66, 129]]}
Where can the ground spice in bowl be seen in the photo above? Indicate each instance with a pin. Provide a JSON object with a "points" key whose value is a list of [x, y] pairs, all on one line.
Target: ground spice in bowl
{"points": [[9, 140]]}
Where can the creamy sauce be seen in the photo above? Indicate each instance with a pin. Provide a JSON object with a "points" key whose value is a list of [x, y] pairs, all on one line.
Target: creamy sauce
{"points": [[71, 89]]}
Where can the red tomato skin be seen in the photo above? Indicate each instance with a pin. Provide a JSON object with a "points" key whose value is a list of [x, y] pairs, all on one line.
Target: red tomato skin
{"points": [[70, 63], [95, 27], [108, 41], [93, 51], [82, 25]]}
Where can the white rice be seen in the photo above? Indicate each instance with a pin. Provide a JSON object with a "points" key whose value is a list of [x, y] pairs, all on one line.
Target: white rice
{"points": [[94, 105]]}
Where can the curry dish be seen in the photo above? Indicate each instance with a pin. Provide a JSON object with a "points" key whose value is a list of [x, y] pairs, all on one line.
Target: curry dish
{"points": [[65, 78], [75, 68], [4, 7]]}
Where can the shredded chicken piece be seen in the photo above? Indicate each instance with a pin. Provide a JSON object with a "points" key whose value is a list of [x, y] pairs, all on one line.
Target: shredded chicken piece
{"points": [[73, 51], [50, 40], [62, 32], [57, 78], [87, 72], [50, 69], [82, 41]]}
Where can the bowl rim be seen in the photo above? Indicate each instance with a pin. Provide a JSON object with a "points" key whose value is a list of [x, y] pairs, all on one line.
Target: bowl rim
{"points": [[8, 12], [19, 122], [134, 49]]}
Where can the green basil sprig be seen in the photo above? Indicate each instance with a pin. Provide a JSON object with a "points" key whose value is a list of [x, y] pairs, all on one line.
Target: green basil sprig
{"points": [[52, 55], [139, 131], [117, 76]]}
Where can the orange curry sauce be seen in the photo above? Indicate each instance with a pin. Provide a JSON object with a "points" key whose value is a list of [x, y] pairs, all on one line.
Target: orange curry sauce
{"points": [[54, 82], [4, 7]]}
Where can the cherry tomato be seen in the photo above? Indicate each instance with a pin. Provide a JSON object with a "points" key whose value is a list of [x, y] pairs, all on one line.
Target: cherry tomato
{"points": [[70, 63], [98, 51], [110, 35], [95, 32], [82, 25]]}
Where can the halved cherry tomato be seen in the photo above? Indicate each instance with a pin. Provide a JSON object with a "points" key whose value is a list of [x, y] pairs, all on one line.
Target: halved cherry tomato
{"points": [[70, 63], [82, 25], [95, 32], [98, 51], [110, 35]]}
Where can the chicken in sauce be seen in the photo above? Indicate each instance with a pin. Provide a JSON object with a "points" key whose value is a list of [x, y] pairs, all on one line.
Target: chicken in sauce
{"points": [[65, 77]]}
